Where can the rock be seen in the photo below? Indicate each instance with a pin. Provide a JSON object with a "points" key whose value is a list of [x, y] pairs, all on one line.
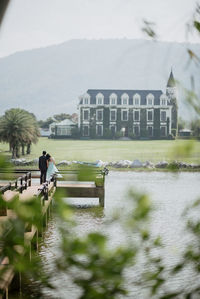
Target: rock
{"points": [[123, 164], [112, 164], [18, 161], [194, 166], [33, 162], [106, 164], [148, 164], [64, 162], [183, 165], [136, 164], [162, 164]]}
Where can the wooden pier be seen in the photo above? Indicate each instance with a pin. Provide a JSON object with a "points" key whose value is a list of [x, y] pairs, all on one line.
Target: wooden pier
{"points": [[23, 188]]}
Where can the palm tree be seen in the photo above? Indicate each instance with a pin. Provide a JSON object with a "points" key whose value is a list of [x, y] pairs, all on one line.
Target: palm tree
{"points": [[18, 127], [34, 133]]}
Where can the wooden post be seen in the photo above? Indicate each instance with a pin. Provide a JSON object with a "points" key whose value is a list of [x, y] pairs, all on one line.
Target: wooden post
{"points": [[55, 181], [3, 207], [101, 196], [29, 183], [30, 251], [37, 240], [26, 179], [21, 187]]}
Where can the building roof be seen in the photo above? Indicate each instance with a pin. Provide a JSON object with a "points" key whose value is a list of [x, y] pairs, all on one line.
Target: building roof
{"points": [[171, 81], [65, 122], [119, 92]]}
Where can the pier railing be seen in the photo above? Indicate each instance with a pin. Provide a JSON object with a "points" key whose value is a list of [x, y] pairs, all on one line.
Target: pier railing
{"points": [[43, 191]]}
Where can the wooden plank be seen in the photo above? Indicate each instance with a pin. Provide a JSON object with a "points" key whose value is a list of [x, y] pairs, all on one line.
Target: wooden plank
{"points": [[76, 185], [29, 193], [7, 276], [9, 195], [78, 191]]}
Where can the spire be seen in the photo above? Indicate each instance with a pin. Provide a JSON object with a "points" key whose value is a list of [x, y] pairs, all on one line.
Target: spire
{"points": [[171, 81]]}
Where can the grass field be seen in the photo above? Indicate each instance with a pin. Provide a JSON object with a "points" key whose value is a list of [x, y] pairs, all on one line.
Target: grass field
{"points": [[112, 150]]}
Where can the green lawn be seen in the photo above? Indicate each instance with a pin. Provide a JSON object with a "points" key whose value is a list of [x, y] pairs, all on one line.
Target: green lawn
{"points": [[112, 150]]}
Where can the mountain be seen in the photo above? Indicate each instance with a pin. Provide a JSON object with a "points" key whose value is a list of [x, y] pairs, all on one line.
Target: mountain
{"points": [[48, 81]]}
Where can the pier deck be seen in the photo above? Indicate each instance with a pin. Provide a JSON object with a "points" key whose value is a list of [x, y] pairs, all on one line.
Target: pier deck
{"points": [[24, 188]]}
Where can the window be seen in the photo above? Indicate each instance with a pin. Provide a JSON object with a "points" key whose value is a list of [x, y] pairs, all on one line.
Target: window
{"points": [[85, 131], [150, 99], [99, 101], [136, 99], [85, 115], [137, 102], [136, 115], [163, 102], [112, 115], [136, 130], [124, 115], [86, 101], [99, 130], [99, 98], [113, 130], [113, 101], [150, 115], [163, 115], [150, 131], [64, 131], [163, 131], [99, 115], [124, 101], [150, 102]]}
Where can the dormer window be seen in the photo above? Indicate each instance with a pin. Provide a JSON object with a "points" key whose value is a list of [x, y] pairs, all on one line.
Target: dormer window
{"points": [[125, 99], [150, 100], [113, 99], [99, 99], [86, 99], [136, 100], [163, 100]]}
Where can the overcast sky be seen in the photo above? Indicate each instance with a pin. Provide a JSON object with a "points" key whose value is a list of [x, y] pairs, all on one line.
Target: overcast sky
{"points": [[37, 23]]}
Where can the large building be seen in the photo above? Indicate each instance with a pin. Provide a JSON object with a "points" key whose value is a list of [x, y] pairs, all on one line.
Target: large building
{"points": [[106, 113]]}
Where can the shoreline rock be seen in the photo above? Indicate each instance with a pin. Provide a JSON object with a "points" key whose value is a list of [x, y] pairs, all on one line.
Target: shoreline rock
{"points": [[115, 164]]}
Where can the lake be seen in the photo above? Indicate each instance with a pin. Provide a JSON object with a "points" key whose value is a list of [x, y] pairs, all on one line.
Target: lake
{"points": [[169, 192]]}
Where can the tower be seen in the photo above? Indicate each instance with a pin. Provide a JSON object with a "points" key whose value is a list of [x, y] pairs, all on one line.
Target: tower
{"points": [[171, 86], [171, 92]]}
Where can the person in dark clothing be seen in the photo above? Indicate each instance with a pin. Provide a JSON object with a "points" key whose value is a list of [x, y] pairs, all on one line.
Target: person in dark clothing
{"points": [[43, 167]]}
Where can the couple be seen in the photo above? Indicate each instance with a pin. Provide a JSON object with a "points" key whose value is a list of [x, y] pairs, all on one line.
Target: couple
{"points": [[47, 167]]}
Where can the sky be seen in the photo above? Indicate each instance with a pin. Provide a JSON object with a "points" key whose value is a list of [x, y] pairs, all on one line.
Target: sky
{"points": [[30, 24]]}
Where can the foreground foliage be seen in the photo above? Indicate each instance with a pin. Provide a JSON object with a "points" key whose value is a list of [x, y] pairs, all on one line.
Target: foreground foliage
{"points": [[93, 262]]}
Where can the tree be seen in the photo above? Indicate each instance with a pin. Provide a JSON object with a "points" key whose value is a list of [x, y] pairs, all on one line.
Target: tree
{"points": [[62, 116], [195, 127], [181, 124], [18, 128], [45, 123]]}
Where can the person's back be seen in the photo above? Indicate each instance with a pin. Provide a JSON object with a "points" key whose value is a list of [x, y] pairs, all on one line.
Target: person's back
{"points": [[43, 167], [42, 163]]}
